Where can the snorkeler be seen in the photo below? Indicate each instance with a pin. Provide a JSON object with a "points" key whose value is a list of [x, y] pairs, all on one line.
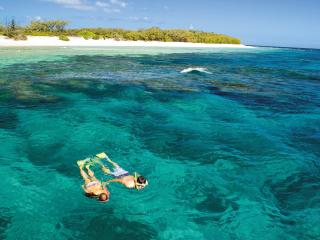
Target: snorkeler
{"points": [[121, 175], [93, 187]]}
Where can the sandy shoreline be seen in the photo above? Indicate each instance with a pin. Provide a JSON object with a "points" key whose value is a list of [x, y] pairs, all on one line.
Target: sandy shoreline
{"points": [[35, 41]]}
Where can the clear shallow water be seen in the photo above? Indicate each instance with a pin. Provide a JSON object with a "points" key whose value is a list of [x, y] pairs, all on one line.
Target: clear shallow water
{"points": [[229, 155]]}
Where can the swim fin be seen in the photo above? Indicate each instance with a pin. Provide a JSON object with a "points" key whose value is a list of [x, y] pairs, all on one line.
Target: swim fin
{"points": [[101, 155]]}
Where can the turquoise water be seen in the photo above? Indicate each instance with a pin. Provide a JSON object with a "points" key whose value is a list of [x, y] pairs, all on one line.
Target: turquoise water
{"points": [[229, 155]]}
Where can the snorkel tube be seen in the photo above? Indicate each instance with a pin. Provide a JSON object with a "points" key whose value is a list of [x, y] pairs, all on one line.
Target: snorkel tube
{"points": [[136, 181]]}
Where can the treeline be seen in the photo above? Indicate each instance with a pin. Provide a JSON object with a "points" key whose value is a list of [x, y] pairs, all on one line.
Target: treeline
{"points": [[154, 34], [58, 28], [11, 30]]}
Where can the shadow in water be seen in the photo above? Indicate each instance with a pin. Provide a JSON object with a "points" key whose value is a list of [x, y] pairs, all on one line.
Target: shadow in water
{"points": [[5, 221], [107, 226]]}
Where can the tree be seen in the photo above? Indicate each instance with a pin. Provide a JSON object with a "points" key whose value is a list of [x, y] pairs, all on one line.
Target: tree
{"points": [[1, 28], [86, 34], [38, 26], [12, 25], [11, 29], [59, 25], [47, 26]]}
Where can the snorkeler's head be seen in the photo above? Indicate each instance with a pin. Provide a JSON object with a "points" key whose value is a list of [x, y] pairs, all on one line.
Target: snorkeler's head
{"points": [[141, 180], [103, 197]]}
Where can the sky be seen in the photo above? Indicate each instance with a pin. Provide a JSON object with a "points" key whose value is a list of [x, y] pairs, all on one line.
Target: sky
{"points": [[289, 23]]}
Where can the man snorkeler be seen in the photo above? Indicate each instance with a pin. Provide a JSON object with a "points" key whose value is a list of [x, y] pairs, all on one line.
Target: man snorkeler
{"points": [[120, 175]]}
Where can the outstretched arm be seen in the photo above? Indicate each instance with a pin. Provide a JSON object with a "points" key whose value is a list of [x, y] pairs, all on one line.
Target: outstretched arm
{"points": [[103, 184], [84, 189], [113, 180]]}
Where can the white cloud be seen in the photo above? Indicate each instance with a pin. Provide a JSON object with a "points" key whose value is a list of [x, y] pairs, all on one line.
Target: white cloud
{"points": [[36, 18], [113, 6], [118, 3], [102, 4], [140, 19], [110, 6], [111, 10], [74, 4]]}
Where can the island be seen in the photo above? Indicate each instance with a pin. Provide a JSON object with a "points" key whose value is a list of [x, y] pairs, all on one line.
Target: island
{"points": [[56, 33]]}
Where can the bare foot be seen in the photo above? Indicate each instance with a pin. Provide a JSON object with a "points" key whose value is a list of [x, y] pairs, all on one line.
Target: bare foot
{"points": [[105, 170], [81, 163], [101, 155]]}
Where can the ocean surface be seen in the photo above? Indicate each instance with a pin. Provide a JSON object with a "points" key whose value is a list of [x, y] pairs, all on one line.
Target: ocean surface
{"points": [[230, 152]]}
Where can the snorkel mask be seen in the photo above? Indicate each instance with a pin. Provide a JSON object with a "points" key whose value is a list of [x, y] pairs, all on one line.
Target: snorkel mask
{"points": [[138, 185]]}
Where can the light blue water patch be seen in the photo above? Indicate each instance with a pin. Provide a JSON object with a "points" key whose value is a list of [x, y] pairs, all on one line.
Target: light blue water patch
{"points": [[229, 155]]}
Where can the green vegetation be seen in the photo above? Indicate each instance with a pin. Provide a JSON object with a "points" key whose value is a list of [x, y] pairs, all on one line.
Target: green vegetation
{"points": [[154, 34], [96, 37], [20, 37], [47, 28], [64, 38], [58, 28], [2, 29], [13, 31], [85, 34]]}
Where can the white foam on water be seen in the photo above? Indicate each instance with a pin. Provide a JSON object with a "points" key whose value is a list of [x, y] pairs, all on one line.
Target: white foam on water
{"points": [[196, 69]]}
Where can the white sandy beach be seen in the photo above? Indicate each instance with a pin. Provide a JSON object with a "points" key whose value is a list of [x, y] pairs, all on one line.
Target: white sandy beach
{"points": [[37, 41]]}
